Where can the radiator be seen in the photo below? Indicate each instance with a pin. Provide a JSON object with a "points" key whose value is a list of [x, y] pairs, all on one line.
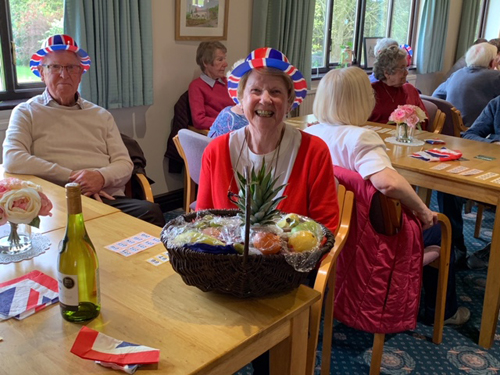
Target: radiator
{"points": [[306, 108]]}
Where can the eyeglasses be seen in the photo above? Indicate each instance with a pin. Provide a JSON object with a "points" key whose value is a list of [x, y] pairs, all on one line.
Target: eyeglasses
{"points": [[57, 69], [402, 69]]}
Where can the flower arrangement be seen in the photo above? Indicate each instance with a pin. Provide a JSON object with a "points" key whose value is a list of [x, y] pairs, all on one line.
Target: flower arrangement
{"points": [[411, 115], [21, 202]]}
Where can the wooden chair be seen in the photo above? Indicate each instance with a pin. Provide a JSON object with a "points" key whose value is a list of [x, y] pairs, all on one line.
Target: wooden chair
{"points": [[458, 123], [436, 117], [139, 180], [325, 284], [190, 146], [445, 107], [199, 131], [387, 220]]}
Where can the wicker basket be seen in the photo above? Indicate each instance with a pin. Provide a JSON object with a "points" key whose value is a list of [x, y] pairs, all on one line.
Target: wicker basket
{"points": [[241, 276]]}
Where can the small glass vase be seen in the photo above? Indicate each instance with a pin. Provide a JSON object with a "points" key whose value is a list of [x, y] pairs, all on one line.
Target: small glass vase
{"points": [[17, 241], [404, 133]]}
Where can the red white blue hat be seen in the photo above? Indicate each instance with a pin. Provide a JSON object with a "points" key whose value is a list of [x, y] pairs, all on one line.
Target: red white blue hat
{"points": [[58, 43], [409, 52], [271, 58]]}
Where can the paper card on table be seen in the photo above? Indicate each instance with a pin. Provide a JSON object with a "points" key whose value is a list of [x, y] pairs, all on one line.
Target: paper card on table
{"points": [[26, 295], [126, 252], [392, 132], [441, 166], [153, 261], [376, 128], [458, 169], [484, 157], [94, 345], [487, 175], [368, 126], [471, 172], [134, 244], [162, 258], [496, 181], [384, 130], [113, 247]]}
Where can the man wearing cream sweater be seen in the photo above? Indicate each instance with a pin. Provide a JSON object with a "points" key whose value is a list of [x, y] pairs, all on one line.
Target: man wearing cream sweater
{"points": [[63, 138]]}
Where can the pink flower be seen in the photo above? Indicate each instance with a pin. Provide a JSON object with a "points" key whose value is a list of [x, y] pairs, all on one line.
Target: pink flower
{"points": [[3, 217], [46, 205], [408, 114]]}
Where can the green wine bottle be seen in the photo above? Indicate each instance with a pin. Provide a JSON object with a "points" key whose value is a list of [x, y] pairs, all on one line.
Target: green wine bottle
{"points": [[78, 267]]}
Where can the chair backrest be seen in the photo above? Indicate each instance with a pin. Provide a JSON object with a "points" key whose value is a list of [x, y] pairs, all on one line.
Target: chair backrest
{"points": [[385, 214], [325, 284], [193, 144], [436, 117], [445, 107], [458, 122]]}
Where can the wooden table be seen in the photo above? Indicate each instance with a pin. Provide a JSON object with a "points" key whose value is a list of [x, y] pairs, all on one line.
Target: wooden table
{"points": [[419, 173], [196, 332], [91, 208]]}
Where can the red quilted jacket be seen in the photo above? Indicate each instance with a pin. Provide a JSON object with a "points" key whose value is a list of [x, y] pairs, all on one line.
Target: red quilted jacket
{"points": [[378, 277]]}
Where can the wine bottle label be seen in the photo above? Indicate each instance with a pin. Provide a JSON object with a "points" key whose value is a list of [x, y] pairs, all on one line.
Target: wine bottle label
{"points": [[68, 289]]}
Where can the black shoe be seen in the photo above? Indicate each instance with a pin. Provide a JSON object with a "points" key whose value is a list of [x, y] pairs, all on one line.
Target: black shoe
{"points": [[479, 260]]}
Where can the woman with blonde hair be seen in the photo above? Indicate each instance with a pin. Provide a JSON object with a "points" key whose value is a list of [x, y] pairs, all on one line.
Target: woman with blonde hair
{"points": [[344, 100]]}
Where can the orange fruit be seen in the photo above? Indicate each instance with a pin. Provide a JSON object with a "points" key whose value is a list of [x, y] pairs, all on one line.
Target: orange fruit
{"points": [[266, 242]]}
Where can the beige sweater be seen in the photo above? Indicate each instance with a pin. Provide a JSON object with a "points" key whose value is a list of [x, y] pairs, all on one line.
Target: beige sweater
{"points": [[49, 141]]}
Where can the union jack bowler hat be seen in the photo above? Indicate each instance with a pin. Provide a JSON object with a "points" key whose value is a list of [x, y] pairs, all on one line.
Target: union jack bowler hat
{"points": [[59, 42], [271, 58]]}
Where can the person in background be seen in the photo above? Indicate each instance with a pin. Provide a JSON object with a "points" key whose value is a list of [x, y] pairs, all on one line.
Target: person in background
{"points": [[486, 128], [61, 137], [344, 100], [461, 61], [496, 43], [471, 88], [230, 118], [208, 93], [391, 89], [381, 45]]}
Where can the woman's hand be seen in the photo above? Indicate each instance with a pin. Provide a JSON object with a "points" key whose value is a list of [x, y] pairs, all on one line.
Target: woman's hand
{"points": [[428, 218]]}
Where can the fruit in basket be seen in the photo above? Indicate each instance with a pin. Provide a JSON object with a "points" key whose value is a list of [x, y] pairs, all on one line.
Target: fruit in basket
{"points": [[211, 231], [266, 242], [302, 240], [289, 221], [192, 236], [309, 225], [263, 193]]}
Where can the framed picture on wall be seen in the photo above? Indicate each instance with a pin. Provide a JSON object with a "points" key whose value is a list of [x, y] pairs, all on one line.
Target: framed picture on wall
{"points": [[201, 19], [369, 46]]}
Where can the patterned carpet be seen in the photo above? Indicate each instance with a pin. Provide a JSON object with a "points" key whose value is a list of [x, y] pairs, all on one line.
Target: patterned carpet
{"points": [[413, 352]]}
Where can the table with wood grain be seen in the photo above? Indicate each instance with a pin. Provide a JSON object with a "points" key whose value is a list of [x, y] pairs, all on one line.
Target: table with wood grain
{"points": [[196, 332], [420, 173]]}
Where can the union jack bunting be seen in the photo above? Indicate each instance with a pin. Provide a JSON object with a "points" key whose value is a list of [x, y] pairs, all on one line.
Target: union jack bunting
{"points": [[58, 43], [26, 295], [272, 58], [437, 154], [90, 344]]}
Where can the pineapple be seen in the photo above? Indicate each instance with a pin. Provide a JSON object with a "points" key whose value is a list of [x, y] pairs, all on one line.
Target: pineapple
{"points": [[264, 201]]}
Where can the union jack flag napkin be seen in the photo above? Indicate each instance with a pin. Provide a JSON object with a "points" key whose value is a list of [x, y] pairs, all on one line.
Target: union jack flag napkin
{"points": [[437, 154], [26, 295], [108, 351]]}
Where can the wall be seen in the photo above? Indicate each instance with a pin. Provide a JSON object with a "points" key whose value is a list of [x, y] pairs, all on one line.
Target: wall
{"points": [[174, 67], [492, 25]]}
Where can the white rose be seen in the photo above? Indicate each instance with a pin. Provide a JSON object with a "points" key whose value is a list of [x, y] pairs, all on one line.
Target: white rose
{"points": [[21, 206]]}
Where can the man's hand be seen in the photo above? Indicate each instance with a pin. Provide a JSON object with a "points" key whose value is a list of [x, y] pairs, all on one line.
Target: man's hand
{"points": [[91, 182], [102, 193]]}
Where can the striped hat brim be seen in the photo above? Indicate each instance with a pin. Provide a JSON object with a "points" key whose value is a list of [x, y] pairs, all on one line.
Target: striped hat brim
{"points": [[299, 82], [37, 57]]}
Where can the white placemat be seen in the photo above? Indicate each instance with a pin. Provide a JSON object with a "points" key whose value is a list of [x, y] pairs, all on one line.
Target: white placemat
{"points": [[39, 244]]}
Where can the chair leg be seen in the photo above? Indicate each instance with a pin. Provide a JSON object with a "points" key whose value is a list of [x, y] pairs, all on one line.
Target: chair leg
{"points": [[328, 324], [377, 352], [479, 220]]}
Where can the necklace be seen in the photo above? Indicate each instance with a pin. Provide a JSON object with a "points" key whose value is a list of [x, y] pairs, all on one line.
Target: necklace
{"points": [[276, 156], [385, 88]]}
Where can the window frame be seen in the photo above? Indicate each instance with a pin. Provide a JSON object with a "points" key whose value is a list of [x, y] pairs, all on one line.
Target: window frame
{"points": [[358, 39], [13, 90]]}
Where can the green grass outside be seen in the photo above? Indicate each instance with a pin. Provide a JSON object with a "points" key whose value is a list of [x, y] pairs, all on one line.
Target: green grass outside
{"points": [[24, 75]]}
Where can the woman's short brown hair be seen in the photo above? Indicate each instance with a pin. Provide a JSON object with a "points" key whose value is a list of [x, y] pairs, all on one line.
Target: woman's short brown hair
{"points": [[205, 54], [268, 72]]}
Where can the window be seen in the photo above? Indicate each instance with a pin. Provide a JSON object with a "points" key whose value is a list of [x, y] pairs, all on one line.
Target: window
{"points": [[24, 24], [345, 23]]}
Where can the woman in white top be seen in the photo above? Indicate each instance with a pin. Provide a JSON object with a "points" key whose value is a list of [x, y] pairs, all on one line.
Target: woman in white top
{"points": [[344, 101]]}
